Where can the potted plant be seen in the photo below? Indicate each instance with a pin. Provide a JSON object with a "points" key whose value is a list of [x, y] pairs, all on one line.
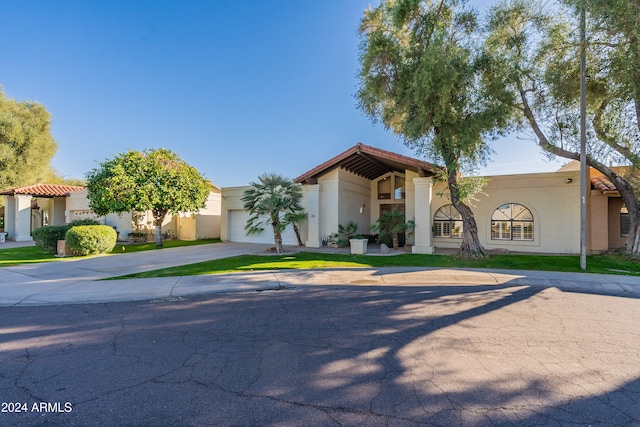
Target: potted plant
{"points": [[358, 245]]}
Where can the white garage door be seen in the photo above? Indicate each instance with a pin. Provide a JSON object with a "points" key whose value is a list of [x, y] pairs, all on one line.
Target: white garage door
{"points": [[237, 221]]}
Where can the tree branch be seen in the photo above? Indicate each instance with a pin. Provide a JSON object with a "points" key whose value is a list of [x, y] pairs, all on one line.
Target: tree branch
{"points": [[602, 135]]}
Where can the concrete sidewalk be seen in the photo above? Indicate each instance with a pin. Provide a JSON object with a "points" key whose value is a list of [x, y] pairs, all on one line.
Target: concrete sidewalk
{"points": [[77, 281]]}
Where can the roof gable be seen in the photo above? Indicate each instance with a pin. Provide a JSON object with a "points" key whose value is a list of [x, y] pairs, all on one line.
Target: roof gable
{"points": [[368, 162]]}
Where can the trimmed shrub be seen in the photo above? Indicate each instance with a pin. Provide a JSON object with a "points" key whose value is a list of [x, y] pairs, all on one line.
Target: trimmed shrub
{"points": [[387, 239], [47, 237], [91, 239]]}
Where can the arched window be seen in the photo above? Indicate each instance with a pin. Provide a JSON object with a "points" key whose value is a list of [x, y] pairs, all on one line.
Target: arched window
{"points": [[512, 221], [447, 222]]}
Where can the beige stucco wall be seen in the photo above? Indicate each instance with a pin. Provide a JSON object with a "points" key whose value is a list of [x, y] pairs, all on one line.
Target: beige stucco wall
{"points": [[354, 201], [554, 203], [553, 199], [598, 218], [329, 214], [207, 220]]}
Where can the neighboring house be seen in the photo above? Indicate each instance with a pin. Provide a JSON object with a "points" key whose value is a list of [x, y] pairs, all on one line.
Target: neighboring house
{"points": [[537, 212], [34, 206]]}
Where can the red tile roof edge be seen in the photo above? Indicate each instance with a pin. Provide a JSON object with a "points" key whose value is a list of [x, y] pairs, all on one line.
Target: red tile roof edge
{"points": [[43, 190]]}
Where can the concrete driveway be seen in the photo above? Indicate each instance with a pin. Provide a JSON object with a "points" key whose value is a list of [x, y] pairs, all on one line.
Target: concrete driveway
{"points": [[74, 280], [77, 281]]}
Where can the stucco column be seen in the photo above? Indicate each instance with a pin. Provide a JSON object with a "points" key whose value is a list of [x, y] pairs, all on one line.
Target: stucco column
{"points": [[10, 216], [423, 234], [22, 218], [313, 216], [57, 216]]}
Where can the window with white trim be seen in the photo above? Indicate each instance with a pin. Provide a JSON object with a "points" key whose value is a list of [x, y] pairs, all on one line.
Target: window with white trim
{"points": [[447, 222], [512, 221]]}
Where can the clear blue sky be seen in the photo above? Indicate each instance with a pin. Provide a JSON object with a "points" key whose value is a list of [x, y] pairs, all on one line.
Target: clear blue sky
{"points": [[236, 87]]}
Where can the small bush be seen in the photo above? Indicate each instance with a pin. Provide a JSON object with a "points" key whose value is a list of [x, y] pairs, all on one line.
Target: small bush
{"points": [[91, 239], [47, 237], [387, 239]]}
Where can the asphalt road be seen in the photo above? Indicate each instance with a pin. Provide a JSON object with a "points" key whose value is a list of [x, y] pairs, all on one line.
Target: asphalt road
{"points": [[340, 355]]}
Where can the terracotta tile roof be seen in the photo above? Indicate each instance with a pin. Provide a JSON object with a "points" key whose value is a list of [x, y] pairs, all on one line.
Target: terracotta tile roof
{"points": [[602, 184], [43, 190], [368, 162]]}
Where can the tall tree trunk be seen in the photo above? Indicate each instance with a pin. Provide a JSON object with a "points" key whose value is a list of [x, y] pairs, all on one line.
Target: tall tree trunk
{"points": [[471, 246], [158, 216], [297, 231], [395, 240], [277, 237]]}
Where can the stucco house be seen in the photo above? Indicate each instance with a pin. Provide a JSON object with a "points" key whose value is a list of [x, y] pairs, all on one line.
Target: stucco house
{"points": [[30, 207], [537, 212], [33, 206]]}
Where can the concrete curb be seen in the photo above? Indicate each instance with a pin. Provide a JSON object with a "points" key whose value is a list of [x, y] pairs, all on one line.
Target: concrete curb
{"points": [[89, 291]]}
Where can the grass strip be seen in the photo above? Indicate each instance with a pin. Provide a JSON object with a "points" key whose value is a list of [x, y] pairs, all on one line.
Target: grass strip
{"points": [[33, 254], [607, 264]]}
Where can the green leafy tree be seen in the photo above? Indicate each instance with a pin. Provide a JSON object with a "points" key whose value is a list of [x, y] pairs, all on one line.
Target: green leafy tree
{"points": [[392, 223], [272, 200], [26, 144], [156, 180], [421, 77], [536, 50]]}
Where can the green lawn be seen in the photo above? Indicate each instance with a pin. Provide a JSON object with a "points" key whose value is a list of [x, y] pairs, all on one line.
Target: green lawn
{"points": [[32, 254], [610, 264], [150, 246]]}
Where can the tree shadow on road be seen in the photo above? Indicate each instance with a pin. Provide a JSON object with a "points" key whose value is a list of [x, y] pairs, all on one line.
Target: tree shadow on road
{"points": [[350, 355]]}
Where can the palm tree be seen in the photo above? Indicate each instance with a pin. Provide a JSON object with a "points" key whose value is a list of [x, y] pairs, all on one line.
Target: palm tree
{"points": [[294, 218], [391, 223], [271, 200]]}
